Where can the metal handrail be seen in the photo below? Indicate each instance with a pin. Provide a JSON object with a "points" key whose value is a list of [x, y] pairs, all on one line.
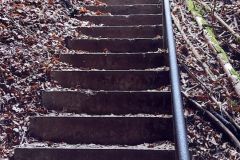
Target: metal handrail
{"points": [[182, 151]]}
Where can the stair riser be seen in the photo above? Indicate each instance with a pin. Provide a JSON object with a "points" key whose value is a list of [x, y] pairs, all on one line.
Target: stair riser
{"points": [[112, 80], [116, 45], [94, 154], [130, 2], [115, 61], [102, 130], [108, 102], [127, 9], [122, 32], [124, 20]]}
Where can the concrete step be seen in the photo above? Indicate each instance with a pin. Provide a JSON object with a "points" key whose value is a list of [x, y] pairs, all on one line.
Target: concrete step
{"points": [[112, 61], [123, 20], [150, 31], [116, 45], [105, 130], [48, 153], [108, 102], [131, 2], [127, 9], [111, 79]]}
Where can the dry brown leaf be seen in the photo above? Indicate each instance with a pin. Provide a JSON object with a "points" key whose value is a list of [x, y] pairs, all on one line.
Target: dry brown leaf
{"points": [[83, 10]]}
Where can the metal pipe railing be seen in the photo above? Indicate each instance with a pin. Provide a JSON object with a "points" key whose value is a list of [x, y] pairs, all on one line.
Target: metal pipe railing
{"points": [[182, 151]]}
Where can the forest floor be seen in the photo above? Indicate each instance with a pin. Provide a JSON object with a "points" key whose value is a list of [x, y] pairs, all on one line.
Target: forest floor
{"points": [[32, 36], [214, 94]]}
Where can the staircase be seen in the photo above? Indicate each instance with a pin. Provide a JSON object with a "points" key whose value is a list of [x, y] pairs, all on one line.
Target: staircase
{"points": [[116, 106]]}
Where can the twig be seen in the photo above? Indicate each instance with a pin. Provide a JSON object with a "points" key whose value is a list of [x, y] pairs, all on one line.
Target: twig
{"points": [[23, 138], [194, 51], [228, 124], [235, 22], [232, 137], [185, 67], [182, 15], [209, 92], [237, 36], [233, 122], [236, 50], [67, 4], [233, 75], [212, 15], [189, 89]]}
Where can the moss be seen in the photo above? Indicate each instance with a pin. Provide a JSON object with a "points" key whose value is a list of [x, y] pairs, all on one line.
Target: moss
{"points": [[190, 5], [216, 44], [224, 57], [235, 73], [198, 12]]}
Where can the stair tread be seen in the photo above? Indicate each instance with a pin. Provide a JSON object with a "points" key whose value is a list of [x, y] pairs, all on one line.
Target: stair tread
{"points": [[109, 116], [133, 26], [116, 45], [120, 39], [127, 9], [115, 61], [161, 145], [149, 31], [127, 20], [111, 79], [129, 130], [93, 92], [117, 2], [151, 70], [93, 152]]}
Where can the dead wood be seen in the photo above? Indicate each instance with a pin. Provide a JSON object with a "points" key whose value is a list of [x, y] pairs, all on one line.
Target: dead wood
{"points": [[194, 51], [231, 121], [214, 119], [208, 33], [221, 21]]}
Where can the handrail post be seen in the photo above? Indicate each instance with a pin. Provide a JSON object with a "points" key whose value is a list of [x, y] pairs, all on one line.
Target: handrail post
{"points": [[182, 151]]}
